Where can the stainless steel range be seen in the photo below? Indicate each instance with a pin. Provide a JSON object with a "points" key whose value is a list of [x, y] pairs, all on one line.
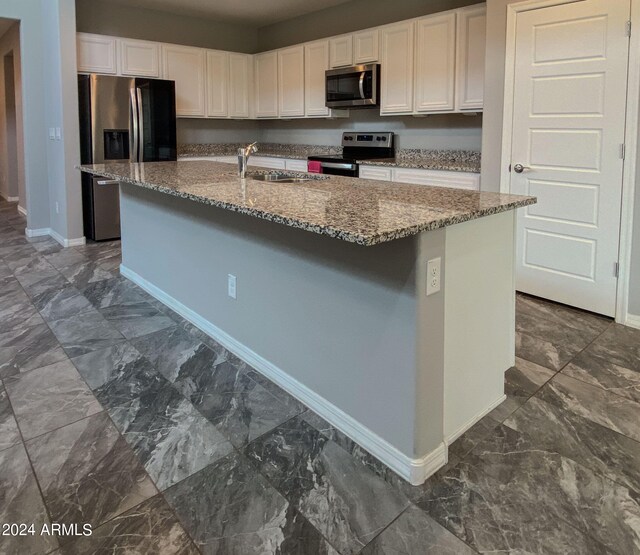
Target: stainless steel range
{"points": [[357, 147]]}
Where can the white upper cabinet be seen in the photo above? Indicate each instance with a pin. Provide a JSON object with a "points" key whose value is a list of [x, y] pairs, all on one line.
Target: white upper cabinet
{"points": [[341, 51], [139, 58], [186, 66], [217, 83], [266, 85], [240, 69], [435, 69], [366, 46], [96, 53], [472, 32], [291, 82], [316, 62], [396, 59]]}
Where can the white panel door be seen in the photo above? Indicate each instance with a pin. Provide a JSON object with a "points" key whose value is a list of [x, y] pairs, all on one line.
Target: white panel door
{"points": [[435, 63], [266, 85], [291, 82], [568, 128], [96, 53], [316, 62], [139, 58], [186, 66], [341, 51], [396, 89], [472, 34], [217, 83], [366, 46], [239, 84]]}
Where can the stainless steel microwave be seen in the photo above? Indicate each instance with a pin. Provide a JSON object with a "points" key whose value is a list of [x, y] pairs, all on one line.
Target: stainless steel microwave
{"points": [[353, 87]]}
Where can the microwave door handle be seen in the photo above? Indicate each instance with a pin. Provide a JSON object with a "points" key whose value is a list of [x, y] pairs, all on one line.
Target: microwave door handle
{"points": [[134, 125], [361, 85], [141, 124]]}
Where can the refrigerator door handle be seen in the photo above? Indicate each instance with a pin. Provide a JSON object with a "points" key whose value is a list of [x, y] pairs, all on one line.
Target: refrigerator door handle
{"points": [[134, 119], [140, 125], [134, 124]]}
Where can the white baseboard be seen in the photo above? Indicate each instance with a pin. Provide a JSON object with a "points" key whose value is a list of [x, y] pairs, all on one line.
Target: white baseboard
{"points": [[67, 242], [22, 211], [633, 321], [462, 429], [37, 232], [415, 471], [55, 235]]}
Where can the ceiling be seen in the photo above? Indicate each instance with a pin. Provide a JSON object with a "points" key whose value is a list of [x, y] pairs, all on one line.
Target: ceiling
{"points": [[256, 13], [5, 24]]}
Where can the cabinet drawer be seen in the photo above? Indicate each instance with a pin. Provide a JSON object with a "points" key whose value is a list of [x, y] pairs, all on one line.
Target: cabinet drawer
{"points": [[266, 162], [296, 165], [373, 172], [434, 178]]}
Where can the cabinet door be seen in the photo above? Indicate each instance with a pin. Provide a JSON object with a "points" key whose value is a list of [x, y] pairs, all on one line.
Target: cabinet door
{"points": [[435, 63], [434, 178], [186, 66], [373, 172], [316, 62], [266, 85], [239, 84], [366, 47], [217, 83], [396, 89], [291, 81], [295, 165], [139, 58], [267, 162], [341, 51], [472, 32], [96, 53]]}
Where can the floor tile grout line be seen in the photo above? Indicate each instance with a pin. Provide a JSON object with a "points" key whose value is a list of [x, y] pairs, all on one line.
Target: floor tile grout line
{"points": [[32, 467]]}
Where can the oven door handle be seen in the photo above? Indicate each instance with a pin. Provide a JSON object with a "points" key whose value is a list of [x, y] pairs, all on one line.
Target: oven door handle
{"points": [[361, 85], [338, 166]]}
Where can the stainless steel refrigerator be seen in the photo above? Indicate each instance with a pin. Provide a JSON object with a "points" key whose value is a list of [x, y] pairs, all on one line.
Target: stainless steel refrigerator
{"points": [[125, 119]]}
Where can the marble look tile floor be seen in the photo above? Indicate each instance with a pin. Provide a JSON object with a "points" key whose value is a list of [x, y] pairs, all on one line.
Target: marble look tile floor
{"points": [[116, 412]]}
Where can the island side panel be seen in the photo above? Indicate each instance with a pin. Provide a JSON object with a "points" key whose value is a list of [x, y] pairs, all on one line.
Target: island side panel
{"points": [[338, 318], [479, 318]]}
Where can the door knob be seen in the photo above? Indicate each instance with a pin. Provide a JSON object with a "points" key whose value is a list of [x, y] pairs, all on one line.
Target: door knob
{"points": [[519, 168]]}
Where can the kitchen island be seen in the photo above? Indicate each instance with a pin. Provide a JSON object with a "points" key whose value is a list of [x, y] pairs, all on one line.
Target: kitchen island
{"points": [[330, 298]]}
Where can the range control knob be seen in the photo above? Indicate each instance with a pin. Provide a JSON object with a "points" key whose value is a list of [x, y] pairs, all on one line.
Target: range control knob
{"points": [[380, 138], [348, 138]]}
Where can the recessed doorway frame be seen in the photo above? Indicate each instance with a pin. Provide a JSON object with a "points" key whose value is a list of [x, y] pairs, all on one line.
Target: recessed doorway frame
{"points": [[632, 112]]}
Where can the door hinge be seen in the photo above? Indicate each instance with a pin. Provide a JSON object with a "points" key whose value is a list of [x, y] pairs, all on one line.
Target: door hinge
{"points": [[616, 269], [629, 28], [623, 151]]}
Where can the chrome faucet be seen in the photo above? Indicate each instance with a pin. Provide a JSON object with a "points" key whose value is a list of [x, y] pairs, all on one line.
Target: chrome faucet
{"points": [[243, 158]]}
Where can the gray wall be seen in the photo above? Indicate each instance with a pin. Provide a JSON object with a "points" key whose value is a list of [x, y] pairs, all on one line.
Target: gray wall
{"points": [[344, 18], [108, 18], [492, 129]]}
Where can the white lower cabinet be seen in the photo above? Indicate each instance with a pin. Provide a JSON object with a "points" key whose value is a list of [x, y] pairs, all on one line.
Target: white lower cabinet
{"points": [[295, 165], [436, 178], [268, 162], [375, 172]]}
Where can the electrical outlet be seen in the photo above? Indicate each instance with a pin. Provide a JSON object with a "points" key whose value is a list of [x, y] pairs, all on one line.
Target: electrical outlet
{"points": [[433, 275], [231, 286]]}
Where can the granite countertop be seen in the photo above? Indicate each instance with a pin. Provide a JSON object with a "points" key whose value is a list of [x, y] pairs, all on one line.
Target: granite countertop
{"points": [[361, 211], [445, 160]]}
